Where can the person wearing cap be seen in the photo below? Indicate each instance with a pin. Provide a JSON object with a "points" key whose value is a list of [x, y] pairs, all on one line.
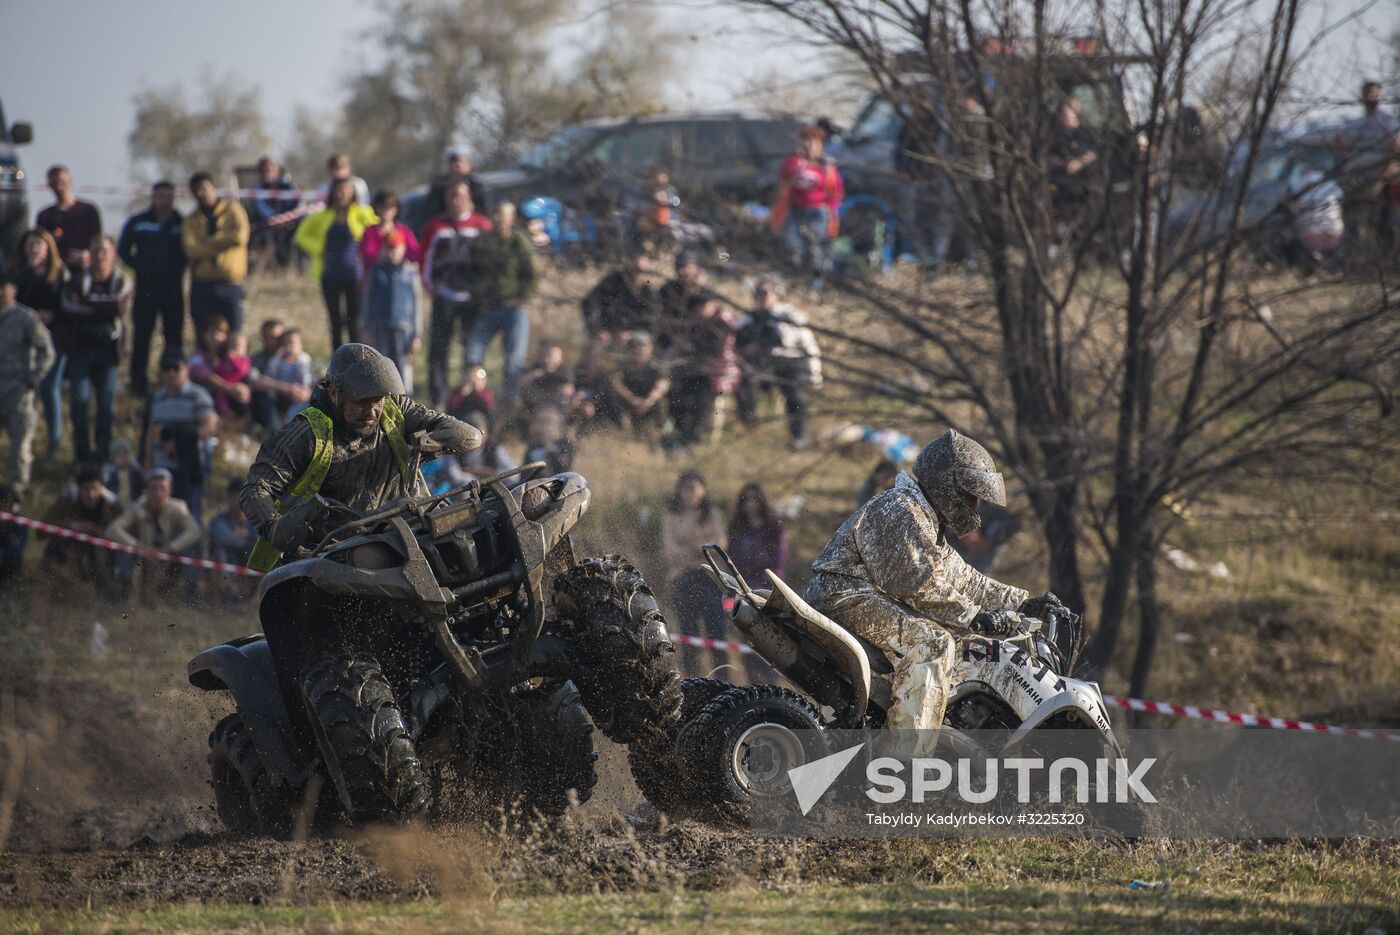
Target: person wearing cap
{"points": [[26, 353], [389, 320], [179, 419], [25, 356], [458, 164], [350, 445], [156, 523]]}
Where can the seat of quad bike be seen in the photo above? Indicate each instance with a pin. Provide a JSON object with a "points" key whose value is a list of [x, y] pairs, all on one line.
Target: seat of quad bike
{"points": [[843, 646]]}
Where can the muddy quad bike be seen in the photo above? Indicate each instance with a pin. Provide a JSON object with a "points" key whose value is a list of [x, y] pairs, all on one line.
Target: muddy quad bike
{"points": [[411, 657], [733, 744]]}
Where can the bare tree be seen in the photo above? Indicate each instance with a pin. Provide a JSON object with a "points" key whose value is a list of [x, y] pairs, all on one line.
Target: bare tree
{"points": [[1124, 357], [172, 137]]}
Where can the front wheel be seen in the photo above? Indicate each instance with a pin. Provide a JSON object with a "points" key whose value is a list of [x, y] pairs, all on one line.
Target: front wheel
{"points": [[628, 679], [364, 743], [741, 746]]}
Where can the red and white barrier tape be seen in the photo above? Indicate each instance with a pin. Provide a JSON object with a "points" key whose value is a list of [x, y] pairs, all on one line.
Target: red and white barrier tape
{"points": [[1137, 704], [1131, 704], [98, 541]]}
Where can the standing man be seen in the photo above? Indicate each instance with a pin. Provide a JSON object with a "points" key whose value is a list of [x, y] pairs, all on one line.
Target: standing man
{"points": [[180, 418], [1364, 145], [505, 278], [151, 247], [778, 349], [337, 168], [91, 330], [215, 238], [274, 193], [26, 353], [459, 169], [448, 242], [73, 223]]}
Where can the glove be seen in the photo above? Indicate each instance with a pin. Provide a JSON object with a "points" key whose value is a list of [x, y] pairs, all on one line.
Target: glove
{"points": [[995, 623], [1038, 606]]}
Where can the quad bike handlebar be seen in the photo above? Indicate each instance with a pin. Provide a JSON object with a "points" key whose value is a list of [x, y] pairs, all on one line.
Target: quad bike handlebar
{"points": [[417, 507]]}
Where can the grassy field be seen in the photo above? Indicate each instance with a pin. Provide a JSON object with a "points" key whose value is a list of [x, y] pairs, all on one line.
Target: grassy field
{"points": [[110, 746], [1006, 886]]}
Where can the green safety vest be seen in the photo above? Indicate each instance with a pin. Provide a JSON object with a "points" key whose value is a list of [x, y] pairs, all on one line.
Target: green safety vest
{"points": [[264, 557]]}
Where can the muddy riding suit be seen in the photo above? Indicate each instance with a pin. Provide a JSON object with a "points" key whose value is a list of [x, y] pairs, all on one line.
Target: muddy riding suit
{"points": [[890, 576], [316, 452]]}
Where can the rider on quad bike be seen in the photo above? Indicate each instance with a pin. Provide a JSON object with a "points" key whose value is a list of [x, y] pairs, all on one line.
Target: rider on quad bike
{"points": [[350, 444], [890, 576]]}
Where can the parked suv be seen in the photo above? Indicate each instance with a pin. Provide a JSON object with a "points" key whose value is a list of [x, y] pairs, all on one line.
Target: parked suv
{"points": [[14, 204], [591, 166]]}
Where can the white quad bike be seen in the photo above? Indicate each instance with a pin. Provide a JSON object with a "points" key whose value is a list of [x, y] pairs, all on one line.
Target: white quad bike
{"points": [[733, 744]]}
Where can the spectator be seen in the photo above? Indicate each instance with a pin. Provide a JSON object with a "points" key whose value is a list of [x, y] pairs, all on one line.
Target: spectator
{"points": [[635, 390], [623, 301], [1315, 205], [1364, 144], [88, 507], [757, 538], [72, 223], [703, 366], [151, 246], [331, 237], [42, 278], [157, 522], [808, 209], [26, 354], [337, 168], [273, 193], [386, 206], [548, 439], [474, 395], [92, 332], [13, 539], [215, 238], [448, 242], [390, 320], [504, 279], [983, 547], [881, 478], [290, 377], [650, 207], [692, 521], [231, 538], [459, 169], [221, 365], [490, 458], [122, 474], [778, 349], [674, 297], [262, 401], [1073, 154], [550, 383], [180, 417]]}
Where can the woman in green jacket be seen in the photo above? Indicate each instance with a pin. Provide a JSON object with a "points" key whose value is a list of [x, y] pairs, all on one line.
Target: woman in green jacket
{"points": [[332, 239]]}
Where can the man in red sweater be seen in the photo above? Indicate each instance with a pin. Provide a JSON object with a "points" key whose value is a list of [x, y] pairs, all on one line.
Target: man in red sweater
{"points": [[448, 240], [808, 211]]}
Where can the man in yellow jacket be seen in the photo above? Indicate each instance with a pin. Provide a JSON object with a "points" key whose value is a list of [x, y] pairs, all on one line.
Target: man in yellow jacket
{"points": [[215, 238], [331, 238]]}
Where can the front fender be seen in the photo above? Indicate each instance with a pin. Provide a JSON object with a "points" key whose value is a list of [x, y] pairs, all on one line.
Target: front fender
{"points": [[1079, 698], [243, 668]]}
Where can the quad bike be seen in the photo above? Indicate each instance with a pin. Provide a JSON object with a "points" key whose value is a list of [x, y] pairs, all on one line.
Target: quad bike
{"points": [[444, 650], [734, 744]]}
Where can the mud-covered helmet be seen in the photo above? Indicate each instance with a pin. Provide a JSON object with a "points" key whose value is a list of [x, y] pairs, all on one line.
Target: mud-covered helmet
{"points": [[952, 466], [361, 372]]}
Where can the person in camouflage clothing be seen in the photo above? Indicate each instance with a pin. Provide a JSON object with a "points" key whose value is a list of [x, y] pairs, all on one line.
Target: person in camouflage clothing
{"points": [[26, 353], [350, 444], [890, 576]]}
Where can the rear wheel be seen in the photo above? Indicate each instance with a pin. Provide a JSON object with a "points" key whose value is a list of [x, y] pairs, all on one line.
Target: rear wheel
{"points": [[628, 677], [367, 750], [246, 800], [741, 746], [655, 767]]}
